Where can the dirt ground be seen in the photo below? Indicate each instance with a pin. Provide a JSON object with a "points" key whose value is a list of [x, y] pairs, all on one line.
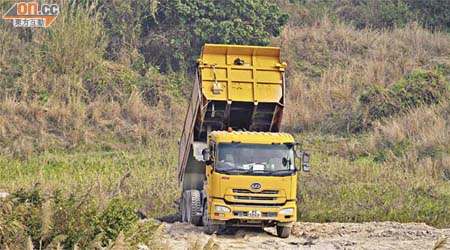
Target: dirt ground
{"points": [[372, 235]]}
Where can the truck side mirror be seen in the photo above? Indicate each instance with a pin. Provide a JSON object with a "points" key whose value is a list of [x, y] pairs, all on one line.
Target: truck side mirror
{"points": [[305, 161], [298, 153], [206, 155]]}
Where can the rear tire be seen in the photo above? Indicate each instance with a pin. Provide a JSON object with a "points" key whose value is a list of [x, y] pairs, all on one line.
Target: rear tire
{"points": [[208, 228], [193, 207], [283, 232]]}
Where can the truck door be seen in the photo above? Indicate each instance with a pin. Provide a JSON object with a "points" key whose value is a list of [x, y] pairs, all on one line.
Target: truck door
{"points": [[209, 168]]}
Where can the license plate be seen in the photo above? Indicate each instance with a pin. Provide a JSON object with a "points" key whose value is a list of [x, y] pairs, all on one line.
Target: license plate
{"points": [[254, 214]]}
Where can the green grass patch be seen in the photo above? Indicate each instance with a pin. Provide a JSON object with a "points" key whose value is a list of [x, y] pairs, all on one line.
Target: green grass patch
{"points": [[344, 190], [87, 198]]}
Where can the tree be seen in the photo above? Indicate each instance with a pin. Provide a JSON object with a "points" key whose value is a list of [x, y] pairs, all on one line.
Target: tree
{"points": [[170, 33], [180, 27], [432, 13]]}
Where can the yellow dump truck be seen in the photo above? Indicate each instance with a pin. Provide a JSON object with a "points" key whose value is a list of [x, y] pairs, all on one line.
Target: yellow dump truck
{"points": [[235, 167]]}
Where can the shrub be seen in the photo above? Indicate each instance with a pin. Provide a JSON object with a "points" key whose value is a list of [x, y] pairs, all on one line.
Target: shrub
{"points": [[414, 90], [179, 28], [118, 216], [71, 220]]}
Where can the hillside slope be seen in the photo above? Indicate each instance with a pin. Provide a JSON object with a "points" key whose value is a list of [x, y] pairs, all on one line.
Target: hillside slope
{"points": [[91, 111]]}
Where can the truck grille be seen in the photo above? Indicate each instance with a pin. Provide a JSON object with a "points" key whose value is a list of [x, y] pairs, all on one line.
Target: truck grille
{"points": [[255, 198], [264, 214], [246, 204], [245, 191], [250, 197]]}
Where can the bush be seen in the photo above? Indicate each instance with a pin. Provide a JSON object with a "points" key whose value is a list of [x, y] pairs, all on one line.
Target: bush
{"points": [[51, 220], [173, 39], [414, 90], [118, 216], [434, 14]]}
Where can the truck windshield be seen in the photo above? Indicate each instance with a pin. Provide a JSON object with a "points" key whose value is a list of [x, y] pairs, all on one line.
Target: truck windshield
{"points": [[255, 159]]}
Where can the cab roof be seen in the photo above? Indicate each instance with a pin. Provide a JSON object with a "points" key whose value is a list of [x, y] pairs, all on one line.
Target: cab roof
{"points": [[250, 137]]}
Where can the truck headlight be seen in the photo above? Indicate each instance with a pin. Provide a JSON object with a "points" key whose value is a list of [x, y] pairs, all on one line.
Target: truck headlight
{"points": [[222, 209], [287, 211]]}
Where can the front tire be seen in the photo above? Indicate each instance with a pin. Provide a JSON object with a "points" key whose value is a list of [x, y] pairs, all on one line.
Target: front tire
{"points": [[283, 232], [208, 227], [193, 207]]}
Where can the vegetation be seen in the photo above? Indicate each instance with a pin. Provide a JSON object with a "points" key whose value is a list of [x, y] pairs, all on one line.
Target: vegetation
{"points": [[87, 198], [170, 33], [90, 112], [381, 14], [414, 90]]}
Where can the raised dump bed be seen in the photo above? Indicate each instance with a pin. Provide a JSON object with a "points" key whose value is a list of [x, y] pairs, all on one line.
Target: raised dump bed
{"points": [[241, 87]]}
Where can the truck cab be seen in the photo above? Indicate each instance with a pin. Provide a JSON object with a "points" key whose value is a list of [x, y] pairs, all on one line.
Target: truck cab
{"points": [[235, 167], [251, 180]]}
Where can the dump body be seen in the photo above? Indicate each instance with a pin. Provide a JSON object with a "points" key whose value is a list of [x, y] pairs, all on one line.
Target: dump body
{"points": [[238, 87]]}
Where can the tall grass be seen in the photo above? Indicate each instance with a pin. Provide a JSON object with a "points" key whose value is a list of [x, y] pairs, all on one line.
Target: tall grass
{"points": [[58, 91], [84, 142], [395, 169], [137, 174], [331, 64], [417, 142], [360, 190], [96, 191]]}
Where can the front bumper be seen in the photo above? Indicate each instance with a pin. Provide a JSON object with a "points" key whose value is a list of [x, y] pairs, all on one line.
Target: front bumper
{"points": [[253, 212]]}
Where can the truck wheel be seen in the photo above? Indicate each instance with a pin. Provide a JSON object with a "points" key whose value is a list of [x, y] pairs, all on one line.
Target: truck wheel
{"points": [[208, 228], [193, 207], [283, 232]]}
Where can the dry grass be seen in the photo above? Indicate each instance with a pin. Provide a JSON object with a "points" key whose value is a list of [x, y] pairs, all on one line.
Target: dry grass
{"points": [[441, 243], [418, 141], [399, 171], [57, 91], [362, 190], [425, 127], [49, 65], [26, 128], [331, 64]]}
